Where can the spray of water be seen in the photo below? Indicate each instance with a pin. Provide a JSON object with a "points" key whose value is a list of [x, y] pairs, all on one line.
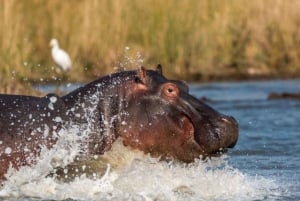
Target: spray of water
{"points": [[130, 174], [128, 61]]}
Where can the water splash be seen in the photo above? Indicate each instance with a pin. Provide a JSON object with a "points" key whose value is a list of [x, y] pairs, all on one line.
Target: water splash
{"points": [[131, 175], [129, 60]]}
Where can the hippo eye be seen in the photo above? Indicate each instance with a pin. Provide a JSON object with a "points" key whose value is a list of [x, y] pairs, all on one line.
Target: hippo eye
{"points": [[170, 90]]}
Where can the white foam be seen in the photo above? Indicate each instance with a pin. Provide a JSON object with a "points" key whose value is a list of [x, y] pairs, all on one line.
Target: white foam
{"points": [[132, 175]]}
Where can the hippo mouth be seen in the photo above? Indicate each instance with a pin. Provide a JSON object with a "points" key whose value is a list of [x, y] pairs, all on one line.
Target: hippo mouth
{"points": [[217, 135]]}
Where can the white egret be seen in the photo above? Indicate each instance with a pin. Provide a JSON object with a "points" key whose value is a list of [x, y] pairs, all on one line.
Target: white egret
{"points": [[60, 57]]}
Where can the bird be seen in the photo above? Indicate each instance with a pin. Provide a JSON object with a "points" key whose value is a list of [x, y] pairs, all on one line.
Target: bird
{"points": [[60, 57]]}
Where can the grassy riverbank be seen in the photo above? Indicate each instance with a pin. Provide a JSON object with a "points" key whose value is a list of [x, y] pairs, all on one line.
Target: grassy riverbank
{"points": [[194, 40]]}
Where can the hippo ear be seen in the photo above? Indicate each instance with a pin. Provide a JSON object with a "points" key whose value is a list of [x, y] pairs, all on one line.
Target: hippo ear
{"points": [[141, 73], [159, 69]]}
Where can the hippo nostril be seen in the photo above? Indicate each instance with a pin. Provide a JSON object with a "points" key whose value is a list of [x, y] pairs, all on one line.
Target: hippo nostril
{"points": [[225, 120], [229, 120]]}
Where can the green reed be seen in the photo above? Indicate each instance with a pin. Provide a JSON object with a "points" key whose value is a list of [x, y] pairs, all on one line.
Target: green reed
{"points": [[192, 39]]}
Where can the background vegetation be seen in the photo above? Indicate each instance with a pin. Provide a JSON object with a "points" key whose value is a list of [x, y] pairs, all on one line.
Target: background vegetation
{"points": [[192, 39]]}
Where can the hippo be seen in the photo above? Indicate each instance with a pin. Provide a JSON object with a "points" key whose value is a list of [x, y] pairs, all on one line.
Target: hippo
{"points": [[141, 107], [285, 95]]}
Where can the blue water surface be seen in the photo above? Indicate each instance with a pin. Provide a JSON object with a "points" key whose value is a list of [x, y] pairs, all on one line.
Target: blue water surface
{"points": [[269, 142]]}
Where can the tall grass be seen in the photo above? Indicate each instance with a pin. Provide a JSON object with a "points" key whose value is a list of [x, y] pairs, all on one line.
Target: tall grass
{"points": [[193, 39]]}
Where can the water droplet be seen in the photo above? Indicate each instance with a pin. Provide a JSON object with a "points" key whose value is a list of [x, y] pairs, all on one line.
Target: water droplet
{"points": [[8, 150]]}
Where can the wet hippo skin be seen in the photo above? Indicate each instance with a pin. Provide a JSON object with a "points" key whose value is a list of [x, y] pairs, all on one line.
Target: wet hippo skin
{"points": [[142, 107]]}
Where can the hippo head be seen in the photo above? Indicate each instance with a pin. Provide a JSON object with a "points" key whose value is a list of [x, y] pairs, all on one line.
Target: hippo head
{"points": [[163, 119]]}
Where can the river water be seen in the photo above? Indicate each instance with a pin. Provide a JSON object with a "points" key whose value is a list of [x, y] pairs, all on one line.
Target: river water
{"points": [[264, 165]]}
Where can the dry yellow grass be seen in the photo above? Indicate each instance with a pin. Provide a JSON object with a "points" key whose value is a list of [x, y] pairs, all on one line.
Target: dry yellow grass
{"points": [[191, 38]]}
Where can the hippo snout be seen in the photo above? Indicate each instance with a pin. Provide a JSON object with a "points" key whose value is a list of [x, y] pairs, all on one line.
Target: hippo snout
{"points": [[217, 133]]}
